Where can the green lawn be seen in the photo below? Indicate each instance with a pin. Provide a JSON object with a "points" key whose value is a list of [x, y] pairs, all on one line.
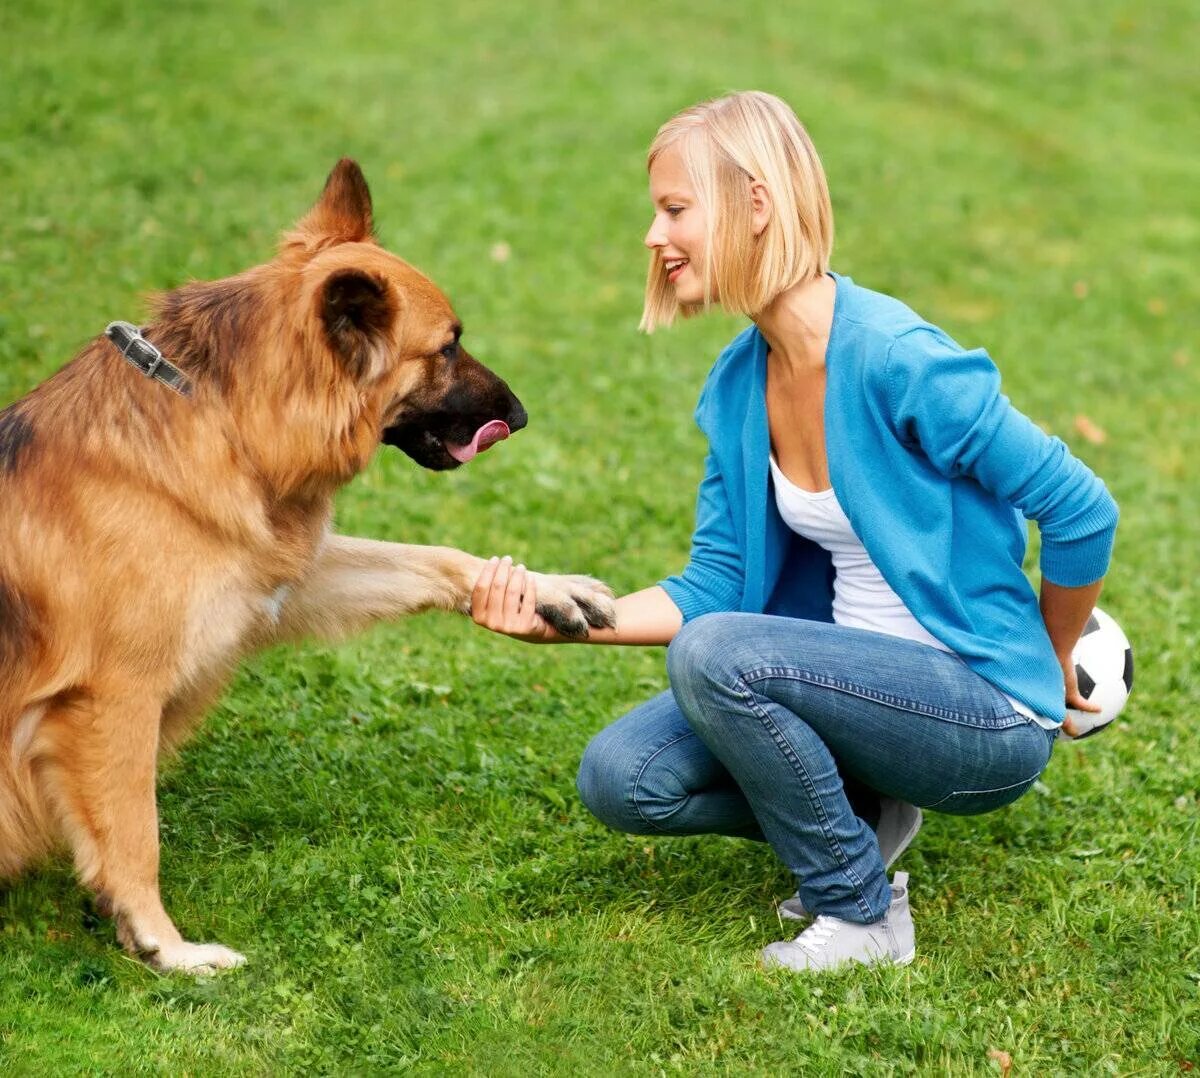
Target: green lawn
{"points": [[390, 830]]}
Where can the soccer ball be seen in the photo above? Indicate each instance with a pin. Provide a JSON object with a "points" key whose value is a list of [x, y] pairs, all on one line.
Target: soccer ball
{"points": [[1104, 669]]}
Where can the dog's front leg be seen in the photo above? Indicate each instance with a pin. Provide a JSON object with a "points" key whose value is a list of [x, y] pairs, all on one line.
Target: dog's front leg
{"points": [[96, 760], [357, 582]]}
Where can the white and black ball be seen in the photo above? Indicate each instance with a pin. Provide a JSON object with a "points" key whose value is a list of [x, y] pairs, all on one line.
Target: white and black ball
{"points": [[1104, 670]]}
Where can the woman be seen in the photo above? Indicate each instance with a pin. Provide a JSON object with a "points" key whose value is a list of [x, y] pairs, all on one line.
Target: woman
{"points": [[853, 617]]}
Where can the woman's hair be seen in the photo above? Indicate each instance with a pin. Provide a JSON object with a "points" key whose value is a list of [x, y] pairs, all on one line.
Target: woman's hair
{"points": [[725, 144]]}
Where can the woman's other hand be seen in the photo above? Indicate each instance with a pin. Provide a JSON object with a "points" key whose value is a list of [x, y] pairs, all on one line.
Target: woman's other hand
{"points": [[1075, 702], [1065, 611]]}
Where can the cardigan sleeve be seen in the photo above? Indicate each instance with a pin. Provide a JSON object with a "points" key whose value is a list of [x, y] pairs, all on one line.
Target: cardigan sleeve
{"points": [[947, 402], [712, 580]]}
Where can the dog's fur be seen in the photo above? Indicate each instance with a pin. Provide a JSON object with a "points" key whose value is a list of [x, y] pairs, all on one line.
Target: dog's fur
{"points": [[148, 541]]}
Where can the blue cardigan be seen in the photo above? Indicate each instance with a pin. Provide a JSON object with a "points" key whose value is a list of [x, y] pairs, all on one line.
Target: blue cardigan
{"points": [[936, 472]]}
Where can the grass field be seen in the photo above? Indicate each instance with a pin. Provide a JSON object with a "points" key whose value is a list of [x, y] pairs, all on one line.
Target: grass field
{"points": [[389, 830]]}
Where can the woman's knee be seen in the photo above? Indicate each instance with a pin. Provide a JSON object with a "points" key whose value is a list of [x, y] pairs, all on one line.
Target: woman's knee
{"points": [[635, 786], [700, 650], [606, 782]]}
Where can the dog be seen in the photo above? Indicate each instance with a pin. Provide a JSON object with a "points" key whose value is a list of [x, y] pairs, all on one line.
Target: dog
{"points": [[165, 510]]}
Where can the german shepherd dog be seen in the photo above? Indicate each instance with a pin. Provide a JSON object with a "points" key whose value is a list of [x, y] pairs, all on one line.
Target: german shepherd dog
{"points": [[151, 538]]}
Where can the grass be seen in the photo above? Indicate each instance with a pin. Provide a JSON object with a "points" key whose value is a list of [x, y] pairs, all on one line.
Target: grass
{"points": [[390, 830]]}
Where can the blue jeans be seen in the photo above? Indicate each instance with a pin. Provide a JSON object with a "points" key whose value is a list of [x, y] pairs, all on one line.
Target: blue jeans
{"points": [[769, 720]]}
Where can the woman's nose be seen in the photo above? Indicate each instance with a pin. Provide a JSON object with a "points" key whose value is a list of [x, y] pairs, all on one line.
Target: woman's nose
{"points": [[655, 236]]}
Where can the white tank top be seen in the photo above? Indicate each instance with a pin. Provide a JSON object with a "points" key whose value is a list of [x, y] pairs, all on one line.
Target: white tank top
{"points": [[862, 599]]}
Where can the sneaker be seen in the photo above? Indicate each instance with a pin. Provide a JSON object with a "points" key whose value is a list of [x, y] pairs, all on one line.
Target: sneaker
{"points": [[899, 823], [831, 943]]}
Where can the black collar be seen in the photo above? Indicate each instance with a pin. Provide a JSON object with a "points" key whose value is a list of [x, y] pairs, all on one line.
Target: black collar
{"points": [[148, 359]]}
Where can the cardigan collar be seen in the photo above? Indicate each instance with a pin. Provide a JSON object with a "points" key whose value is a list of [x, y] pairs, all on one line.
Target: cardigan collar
{"points": [[765, 560]]}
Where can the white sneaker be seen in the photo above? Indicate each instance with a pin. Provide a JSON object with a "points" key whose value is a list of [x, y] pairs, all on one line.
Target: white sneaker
{"points": [[899, 823], [831, 943]]}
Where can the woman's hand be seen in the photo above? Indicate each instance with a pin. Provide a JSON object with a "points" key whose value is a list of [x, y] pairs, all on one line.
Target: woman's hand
{"points": [[505, 600], [1074, 700], [1065, 611]]}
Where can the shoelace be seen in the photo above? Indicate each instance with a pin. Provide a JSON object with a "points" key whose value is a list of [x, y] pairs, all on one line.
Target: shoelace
{"points": [[819, 933]]}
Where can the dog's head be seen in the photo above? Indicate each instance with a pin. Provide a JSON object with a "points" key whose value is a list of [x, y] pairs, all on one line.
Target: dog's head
{"points": [[393, 334], [333, 347]]}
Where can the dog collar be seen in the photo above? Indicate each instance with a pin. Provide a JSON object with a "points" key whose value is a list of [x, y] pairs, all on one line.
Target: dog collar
{"points": [[148, 359]]}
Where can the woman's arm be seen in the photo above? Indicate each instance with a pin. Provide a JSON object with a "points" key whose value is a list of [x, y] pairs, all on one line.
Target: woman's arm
{"points": [[1065, 612], [949, 402], [505, 601]]}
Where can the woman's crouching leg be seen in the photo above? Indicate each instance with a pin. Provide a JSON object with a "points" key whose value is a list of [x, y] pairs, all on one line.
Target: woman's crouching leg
{"points": [[649, 774]]}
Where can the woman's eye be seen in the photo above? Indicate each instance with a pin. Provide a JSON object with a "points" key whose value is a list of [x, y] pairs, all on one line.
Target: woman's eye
{"points": [[674, 211]]}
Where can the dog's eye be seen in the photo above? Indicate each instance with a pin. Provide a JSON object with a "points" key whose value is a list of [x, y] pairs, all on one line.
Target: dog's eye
{"points": [[451, 350]]}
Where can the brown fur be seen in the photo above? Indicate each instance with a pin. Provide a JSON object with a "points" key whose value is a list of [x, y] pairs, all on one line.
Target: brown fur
{"points": [[149, 540]]}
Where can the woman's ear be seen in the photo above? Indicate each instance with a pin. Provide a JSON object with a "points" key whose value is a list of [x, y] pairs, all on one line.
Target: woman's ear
{"points": [[760, 206]]}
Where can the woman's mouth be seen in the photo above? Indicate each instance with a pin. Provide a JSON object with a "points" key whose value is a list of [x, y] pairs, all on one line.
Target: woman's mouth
{"points": [[674, 267]]}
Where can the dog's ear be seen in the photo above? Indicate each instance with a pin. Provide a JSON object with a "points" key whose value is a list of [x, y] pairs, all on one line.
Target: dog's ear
{"points": [[357, 311], [343, 212]]}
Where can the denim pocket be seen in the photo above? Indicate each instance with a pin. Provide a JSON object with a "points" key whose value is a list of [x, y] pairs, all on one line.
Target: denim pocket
{"points": [[974, 802]]}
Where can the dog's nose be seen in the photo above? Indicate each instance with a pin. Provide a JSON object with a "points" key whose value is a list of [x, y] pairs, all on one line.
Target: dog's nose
{"points": [[518, 417]]}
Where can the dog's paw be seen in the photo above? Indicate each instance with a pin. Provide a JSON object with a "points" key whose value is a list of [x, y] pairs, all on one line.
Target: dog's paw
{"points": [[570, 604], [198, 959]]}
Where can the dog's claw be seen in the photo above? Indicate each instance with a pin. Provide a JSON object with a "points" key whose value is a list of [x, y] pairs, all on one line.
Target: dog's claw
{"points": [[565, 622], [570, 604], [597, 616]]}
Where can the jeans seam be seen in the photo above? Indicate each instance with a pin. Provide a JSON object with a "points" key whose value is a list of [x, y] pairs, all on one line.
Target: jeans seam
{"points": [[638, 781], [900, 703], [789, 753], [993, 790]]}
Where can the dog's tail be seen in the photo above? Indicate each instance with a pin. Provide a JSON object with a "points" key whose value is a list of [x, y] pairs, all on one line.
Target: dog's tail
{"points": [[26, 820], [26, 827]]}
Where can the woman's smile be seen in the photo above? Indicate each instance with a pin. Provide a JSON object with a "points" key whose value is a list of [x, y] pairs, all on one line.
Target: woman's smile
{"points": [[675, 267]]}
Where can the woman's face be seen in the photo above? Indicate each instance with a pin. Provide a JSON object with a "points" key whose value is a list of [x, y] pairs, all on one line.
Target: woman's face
{"points": [[676, 234]]}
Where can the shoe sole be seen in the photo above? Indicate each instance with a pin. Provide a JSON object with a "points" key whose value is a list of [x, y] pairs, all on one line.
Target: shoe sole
{"points": [[903, 960]]}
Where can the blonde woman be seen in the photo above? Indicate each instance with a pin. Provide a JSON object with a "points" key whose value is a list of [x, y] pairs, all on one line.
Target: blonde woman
{"points": [[853, 635]]}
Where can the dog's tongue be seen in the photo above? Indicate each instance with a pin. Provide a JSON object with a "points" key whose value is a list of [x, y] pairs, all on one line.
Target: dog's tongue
{"points": [[487, 435]]}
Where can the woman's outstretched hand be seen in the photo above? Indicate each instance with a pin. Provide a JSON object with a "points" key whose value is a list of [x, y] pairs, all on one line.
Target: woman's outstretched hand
{"points": [[545, 609], [505, 600]]}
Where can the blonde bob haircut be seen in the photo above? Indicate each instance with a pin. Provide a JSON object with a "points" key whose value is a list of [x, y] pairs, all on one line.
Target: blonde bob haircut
{"points": [[726, 144]]}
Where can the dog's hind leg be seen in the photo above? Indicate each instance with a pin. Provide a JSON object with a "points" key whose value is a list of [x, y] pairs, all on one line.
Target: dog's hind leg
{"points": [[357, 582], [96, 764]]}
